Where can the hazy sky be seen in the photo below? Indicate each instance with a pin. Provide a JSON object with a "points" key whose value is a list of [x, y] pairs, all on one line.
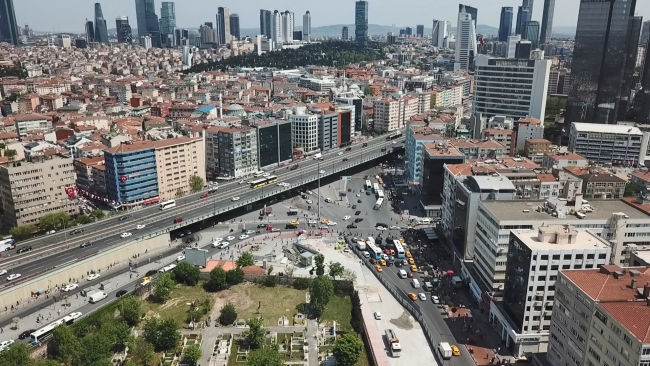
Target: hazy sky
{"points": [[69, 15]]}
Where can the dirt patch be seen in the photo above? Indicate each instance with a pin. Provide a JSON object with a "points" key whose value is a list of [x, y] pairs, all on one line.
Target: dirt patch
{"points": [[404, 321], [229, 296]]}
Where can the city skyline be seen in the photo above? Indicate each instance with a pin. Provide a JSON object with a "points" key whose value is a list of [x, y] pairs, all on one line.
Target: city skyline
{"points": [[329, 13]]}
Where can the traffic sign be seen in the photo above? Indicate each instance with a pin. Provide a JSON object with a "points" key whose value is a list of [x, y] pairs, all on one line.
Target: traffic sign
{"points": [[346, 177]]}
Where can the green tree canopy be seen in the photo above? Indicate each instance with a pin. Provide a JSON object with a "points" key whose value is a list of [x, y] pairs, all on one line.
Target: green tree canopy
{"points": [[23, 232], [256, 332], [142, 353], [235, 276], [630, 190], [55, 220], [18, 354], [267, 356], [187, 273], [217, 279], [196, 183], [320, 291], [98, 214], [131, 310], [347, 350], [83, 219], [336, 269], [228, 314], [319, 262], [163, 286], [163, 334], [65, 346], [192, 354], [245, 259]]}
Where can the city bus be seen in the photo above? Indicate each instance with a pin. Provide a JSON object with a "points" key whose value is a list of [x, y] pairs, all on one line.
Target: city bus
{"points": [[39, 335], [379, 203], [373, 250], [167, 204], [7, 244], [263, 181], [375, 188], [380, 194], [368, 185], [399, 249]]}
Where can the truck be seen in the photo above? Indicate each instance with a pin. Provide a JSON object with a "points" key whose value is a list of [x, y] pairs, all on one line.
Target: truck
{"points": [[393, 343], [105, 286], [361, 244], [445, 350], [317, 156], [293, 210], [267, 211], [97, 296]]}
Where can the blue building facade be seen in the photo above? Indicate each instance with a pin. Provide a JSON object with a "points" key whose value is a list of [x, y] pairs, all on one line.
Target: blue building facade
{"points": [[505, 24], [131, 174]]}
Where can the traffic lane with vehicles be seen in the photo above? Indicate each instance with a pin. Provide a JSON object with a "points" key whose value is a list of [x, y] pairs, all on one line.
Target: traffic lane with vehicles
{"points": [[225, 190]]}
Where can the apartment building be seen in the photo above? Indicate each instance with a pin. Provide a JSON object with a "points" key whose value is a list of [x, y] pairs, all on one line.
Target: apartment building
{"points": [[387, 115], [600, 317], [535, 258], [432, 168], [304, 131], [534, 149], [607, 144], [274, 142], [563, 160], [83, 169], [28, 103], [559, 81], [131, 175], [417, 135], [177, 161], [500, 135], [29, 123], [527, 129], [35, 187], [231, 152]]}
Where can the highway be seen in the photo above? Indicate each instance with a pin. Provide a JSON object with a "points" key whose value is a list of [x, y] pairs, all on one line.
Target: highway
{"points": [[106, 233]]}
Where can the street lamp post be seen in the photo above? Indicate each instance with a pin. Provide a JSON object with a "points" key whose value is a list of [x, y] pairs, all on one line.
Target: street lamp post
{"points": [[318, 190]]}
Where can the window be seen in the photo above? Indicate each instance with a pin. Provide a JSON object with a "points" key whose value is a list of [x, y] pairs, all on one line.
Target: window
{"points": [[556, 257], [567, 257], [545, 257], [602, 256], [603, 319], [590, 256]]}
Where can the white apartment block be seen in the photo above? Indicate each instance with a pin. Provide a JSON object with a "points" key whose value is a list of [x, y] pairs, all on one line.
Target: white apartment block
{"points": [[387, 115], [304, 131], [535, 258], [465, 40], [600, 317], [608, 144], [177, 160], [511, 88]]}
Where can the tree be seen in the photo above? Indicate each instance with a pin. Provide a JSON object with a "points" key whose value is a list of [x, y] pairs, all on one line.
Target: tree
{"points": [[630, 190], [142, 353], [66, 346], [319, 261], [320, 292], [267, 356], [187, 273], [98, 214], [23, 232], [162, 334], [270, 270], [336, 269], [349, 275], [301, 283], [368, 91], [235, 276], [18, 354], [119, 333], [245, 259], [256, 333], [180, 193], [228, 314], [270, 281], [131, 310], [54, 221], [97, 347], [83, 220], [163, 286], [196, 183], [217, 279], [192, 354], [347, 350]]}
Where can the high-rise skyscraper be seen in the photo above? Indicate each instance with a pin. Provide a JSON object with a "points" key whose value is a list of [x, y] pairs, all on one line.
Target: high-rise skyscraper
{"points": [[276, 30], [288, 25], [532, 33], [345, 35], [599, 59], [223, 25], [469, 10], [90, 31], [419, 30], [266, 23], [547, 21], [148, 23], [528, 4], [123, 29], [465, 41], [361, 23], [440, 33], [306, 27], [629, 80], [234, 25], [523, 17], [167, 18], [645, 33], [505, 24], [8, 25], [101, 31]]}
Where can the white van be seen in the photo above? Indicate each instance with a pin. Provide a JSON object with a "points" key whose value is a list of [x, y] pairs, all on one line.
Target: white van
{"points": [[366, 255], [428, 286], [97, 296], [402, 273], [415, 283]]}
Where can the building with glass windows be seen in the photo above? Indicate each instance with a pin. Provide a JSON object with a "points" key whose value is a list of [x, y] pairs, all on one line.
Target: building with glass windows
{"points": [[123, 29], [131, 173], [547, 21], [8, 26], [505, 24], [273, 142], [523, 17], [101, 32], [361, 23], [168, 19], [532, 33]]}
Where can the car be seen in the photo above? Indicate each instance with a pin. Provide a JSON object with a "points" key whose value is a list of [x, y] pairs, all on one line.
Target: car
{"points": [[24, 249], [351, 226], [274, 230], [309, 202], [398, 263], [414, 268], [411, 261], [26, 334], [348, 148], [377, 315], [50, 232], [354, 207], [328, 200], [321, 171], [381, 228], [373, 261], [368, 193], [408, 255], [177, 220], [5, 344], [435, 299], [341, 153], [180, 258], [378, 268], [215, 244], [346, 217], [125, 235], [235, 199], [13, 276], [243, 236], [85, 245], [266, 175], [242, 182], [394, 142], [223, 244], [422, 296], [230, 238], [394, 227], [413, 296], [358, 220], [69, 287], [249, 232], [92, 276], [384, 257], [76, 231], [454, 350], [409, 274], [324, 227], [358, 194], [121, 293], [357, 213], [3, 271], [358, 201], [122, 218], [346, 250], [140, 226], [204, 195], [331, 223], [345, 159], [324, 221], [382, 262], [312, 221]]}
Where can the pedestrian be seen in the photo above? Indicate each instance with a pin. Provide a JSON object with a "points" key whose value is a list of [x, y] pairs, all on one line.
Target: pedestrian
{"points": [[58, 312], [2, 330]]}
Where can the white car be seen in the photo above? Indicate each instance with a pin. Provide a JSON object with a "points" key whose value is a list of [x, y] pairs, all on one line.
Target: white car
{"points": [[141, 226], [180, 258], [435, 299], [235, 199], [5, 344], [309, 202], [249, 232], [125, 235], [92, 276], [346, 217], [394, 142], [243, 236], [358, 194], [324, 227], [223, 244], [242, 182], [384, 257], [275, 230], [50, 232], [422, 296], [311, 221], [230, 238], [266, 175], [309, 192], [321, 171], [381, 228], [331, 223], [3, 271], [377, 315], [69, 287], [215, 244], [394, 227], [13, 276]]}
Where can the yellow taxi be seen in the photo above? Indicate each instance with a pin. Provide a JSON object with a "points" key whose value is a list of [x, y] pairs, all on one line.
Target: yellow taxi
{"points": [[408, 255], [294, 223], [382, 262], [324, 221], [401, 241], [378, 268], [414, 268], [392, 252], [413, 296], [411, 261], [454, 350], [146, 280]]}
